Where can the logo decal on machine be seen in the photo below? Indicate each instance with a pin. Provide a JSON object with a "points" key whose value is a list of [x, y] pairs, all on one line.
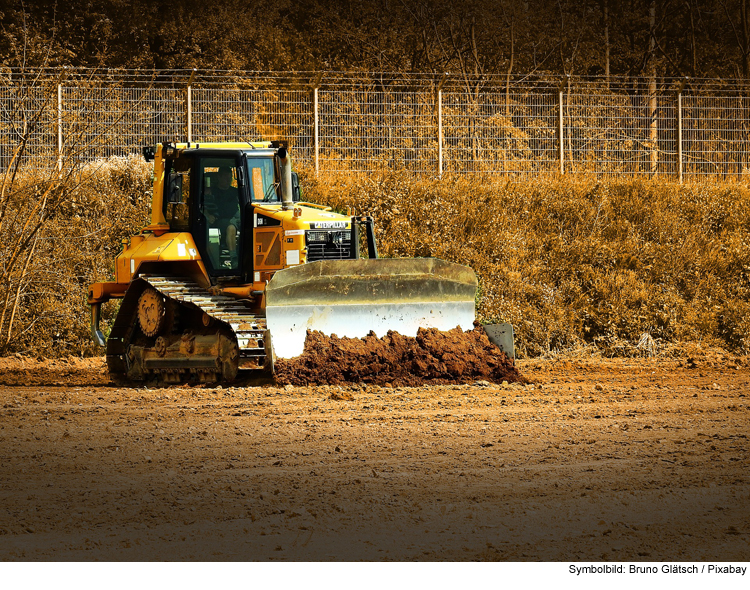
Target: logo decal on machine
{"points": [[328, 225]]}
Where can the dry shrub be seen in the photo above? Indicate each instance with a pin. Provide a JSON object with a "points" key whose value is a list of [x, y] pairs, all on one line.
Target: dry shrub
{"points": [[575, 262], [621, 267], [77, 244]]}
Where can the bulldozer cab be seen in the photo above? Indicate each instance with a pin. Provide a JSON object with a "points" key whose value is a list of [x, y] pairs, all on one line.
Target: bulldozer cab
{"points": [[211, 194]]}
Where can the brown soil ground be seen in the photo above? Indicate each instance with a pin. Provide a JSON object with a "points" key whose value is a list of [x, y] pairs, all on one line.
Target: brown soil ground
{"points": [[431, 358], [595, 460]]}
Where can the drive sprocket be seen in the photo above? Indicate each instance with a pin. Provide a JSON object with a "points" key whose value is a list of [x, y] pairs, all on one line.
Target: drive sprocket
{"points": [[152, 312]]}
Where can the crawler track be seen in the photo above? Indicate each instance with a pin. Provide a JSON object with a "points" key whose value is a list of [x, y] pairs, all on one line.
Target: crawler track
{"points": [[215, 336]]}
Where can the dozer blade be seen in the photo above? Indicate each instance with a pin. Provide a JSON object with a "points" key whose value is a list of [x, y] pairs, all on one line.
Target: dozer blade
{"points": [[353, 297]]}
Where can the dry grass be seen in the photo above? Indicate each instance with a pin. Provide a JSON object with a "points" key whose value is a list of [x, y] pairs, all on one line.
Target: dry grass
{"points": [[617, 268]]}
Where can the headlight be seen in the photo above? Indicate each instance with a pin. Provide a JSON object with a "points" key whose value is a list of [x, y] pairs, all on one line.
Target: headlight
{"points": [[317, 236], [337, 238]]}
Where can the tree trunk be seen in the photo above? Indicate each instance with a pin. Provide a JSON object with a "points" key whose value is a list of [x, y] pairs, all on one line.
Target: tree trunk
{"points": [[653, 123], [19, 288], [510, 65], [745, 40], [693, 43], [606, 42]]}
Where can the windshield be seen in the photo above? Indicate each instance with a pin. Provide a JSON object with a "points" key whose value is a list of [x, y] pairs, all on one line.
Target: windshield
{"points": [[262, 180]]}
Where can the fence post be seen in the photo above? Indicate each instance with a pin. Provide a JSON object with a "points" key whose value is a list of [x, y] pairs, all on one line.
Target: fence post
{"points": [[59, 129], [440, 132], [560, 132], [679, 135], [189, 106], [316, 123]]}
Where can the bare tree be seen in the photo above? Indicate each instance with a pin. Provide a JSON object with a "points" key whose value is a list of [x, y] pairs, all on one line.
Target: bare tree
{"points": [[27, 199], [607, 46], [509, 17], [690, 5], [38, 189], [652, 102], [740, 24]]}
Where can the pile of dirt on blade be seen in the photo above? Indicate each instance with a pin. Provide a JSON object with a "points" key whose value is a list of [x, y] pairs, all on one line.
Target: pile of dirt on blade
{"points": [[432, 358]]}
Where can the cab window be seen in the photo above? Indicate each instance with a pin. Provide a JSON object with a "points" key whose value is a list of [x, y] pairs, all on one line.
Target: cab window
{"points": [[177, 212], [262, 180]]}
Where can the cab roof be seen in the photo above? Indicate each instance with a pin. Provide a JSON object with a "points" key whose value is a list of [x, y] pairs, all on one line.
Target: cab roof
{"points": [[244, 145]]}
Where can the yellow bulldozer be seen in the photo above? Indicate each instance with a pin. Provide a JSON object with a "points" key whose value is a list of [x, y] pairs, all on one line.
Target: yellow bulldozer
{"points": [[235, 268]]}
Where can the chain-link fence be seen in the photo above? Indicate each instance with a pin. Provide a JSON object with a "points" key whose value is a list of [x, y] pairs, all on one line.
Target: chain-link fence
{"points": [[27, 125], [424, 128]]}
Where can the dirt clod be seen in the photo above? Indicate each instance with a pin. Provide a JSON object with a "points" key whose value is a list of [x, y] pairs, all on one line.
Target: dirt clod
{"points": [[341, 396], [432, 357]]}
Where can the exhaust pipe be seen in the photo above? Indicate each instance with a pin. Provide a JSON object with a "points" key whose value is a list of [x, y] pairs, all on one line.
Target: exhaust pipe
{"points": [[285, 162]]}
